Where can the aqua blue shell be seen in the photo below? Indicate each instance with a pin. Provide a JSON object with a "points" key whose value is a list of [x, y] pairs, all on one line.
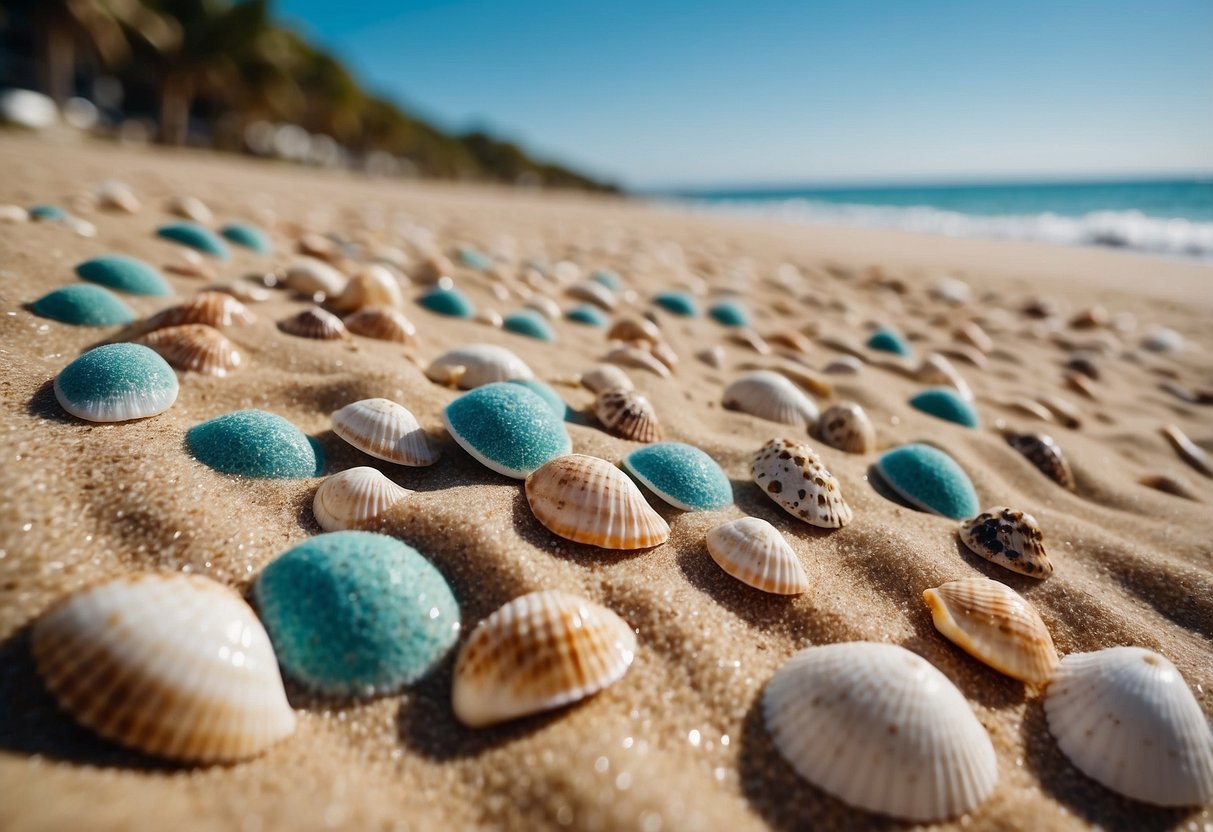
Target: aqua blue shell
{"points": [[116, 383], [886, 340], [677, 303], [195, 236], [729, 313], [253, 443], [449, 302], [587, 314], [249, 236], [545, 392], [47, 212], [607, 278], [946, 403], [83, 304], [682, 475], [530, 323], [474, 259], [930, 480], [124, 274], [507, 428]]}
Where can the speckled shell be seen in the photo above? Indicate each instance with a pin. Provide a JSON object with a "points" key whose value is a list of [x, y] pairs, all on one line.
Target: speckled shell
{"points": [[634, 329], [355, 499], [769, 395], [995, 625], [373, 285], [309, 276], [629, 356], [605, 377], [170, 664], [385, 430], [589, 500], [314, 323], [1126, 718], [211, 308], [195, 347], [475, 365], [938, 370], [1010, 538], [383, 324], [539, 652], [794, 477], [880, 729], [846, 426], [628, 414], [595, 293], [755, 553], [1044, 453]]}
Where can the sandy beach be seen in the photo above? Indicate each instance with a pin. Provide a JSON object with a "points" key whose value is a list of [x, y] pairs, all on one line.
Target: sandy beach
{"points": [[678, 743]]}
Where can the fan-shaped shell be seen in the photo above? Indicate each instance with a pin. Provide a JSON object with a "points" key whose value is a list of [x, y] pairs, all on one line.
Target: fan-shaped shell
{"points": [[792, 475], [881, 729], [995, 625], [1125, 717], [173, 665], [383, 324], [846, 426], [755, 553], [354, 499], [539, 652], [373, 285], [629, 356], [314, 323], [195, 347], [1045, 454], [214, 309], [1010, 538], [769, 395], [589, 500], [628, 414], [475, 365], [310, 276], [385, 430], [605, 377]]}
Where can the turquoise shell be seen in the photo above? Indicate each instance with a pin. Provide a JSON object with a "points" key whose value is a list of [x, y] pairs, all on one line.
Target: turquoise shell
{"points": [[682, 475], [253, 443], [677, 303], [507, 428], [545, 392], [473, 259], [946, 403], [116, 383], [450, 302], [607, 278], [83, 304], [886, 340], [530, 323], [248, 236], [194, 236], [930, 480], [124, 274], [729, 313], [587, 314], [356, 613], [47, 212]]}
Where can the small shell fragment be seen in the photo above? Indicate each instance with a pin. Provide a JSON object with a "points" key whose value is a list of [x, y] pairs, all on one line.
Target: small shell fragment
{"points": [[1009, 538], [354, 499], [846, 426], [385, 430], [314, 323], [628, 414], [755, 553], [792, 475], [195, 347]]}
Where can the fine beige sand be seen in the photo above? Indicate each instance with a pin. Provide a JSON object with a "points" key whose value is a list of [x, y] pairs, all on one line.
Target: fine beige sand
{"points": [[678, 743]]}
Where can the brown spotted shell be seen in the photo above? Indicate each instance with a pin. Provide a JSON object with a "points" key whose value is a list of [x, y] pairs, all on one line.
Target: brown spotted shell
{"points": [[210, 308], [314, 323], [792, 475], [628, 414], [1044, 453], [197, 348], [1009, 538], [383, 324], [846, 426]]}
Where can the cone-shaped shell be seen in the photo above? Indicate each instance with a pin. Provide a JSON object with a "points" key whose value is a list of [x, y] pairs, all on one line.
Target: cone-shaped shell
{"points": [[755, 553], [539, 652], [310, 276], [628, 414], [994, 624], [1045, 454], [769, 395], [1125, 717], [383, 324], [792, 475], [507, 428], [195, 347], [373, 285], [1011, 539], [929, 480], [210, 308], [314, 323], [589, 500], [170, 664], [606, 377], [629, 356], [881, 729], [846, 426], [474, 365], [116, 383], [681, 475], [385, 430], [354, 499]]}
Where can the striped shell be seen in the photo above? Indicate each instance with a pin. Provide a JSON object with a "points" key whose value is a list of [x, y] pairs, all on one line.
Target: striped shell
{"points": [[355, 499], [475, 365], [383, 324], [630, 356], [755, 553], [211, 308], [539, 652], [1009, 538], [309, 276], [792, 475], [628, 414], [314, 323], [880, 729], [194, 347], [373, 285], [769, 395], [846, 426], [1045, 454], [385, 430], [170, 664], [605, 377], [589, 500], [995, 625]]}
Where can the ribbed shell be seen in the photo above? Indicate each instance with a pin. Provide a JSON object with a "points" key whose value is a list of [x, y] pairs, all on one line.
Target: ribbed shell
{"points": [[309, 276], [769, 395], [195, 347], [354, 499], [938, 370], [589, 500], [755, 553], [881, 729], [1125, 717], [539, 652], [605, 377], [1045, 454], [385, 430], [475, 365], [1010, 538], [595, 293], [383, 324], [373, 285], [629, 356], [314, 323], [995, 625], [629, 415], [170, 664], [846, 426], [211, 308], [792, 475]]}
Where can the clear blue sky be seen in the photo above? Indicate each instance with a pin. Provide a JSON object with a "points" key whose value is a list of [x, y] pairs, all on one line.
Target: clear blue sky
{"points": [[658, 93]]}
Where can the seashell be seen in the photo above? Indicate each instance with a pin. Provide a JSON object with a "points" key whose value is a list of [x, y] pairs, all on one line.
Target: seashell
{"points": [[47, 213], [628, 356], [1183, 393], [1009, 538], [1081, 383], [545, 306], [474, 365], [769, 395], [972, 334], [847, 365], [888, 340], [1188, 450], [846, 426], [791, 339], [195, 237], [1045, 454], [473, 259], [241, 290], [755, 553], [587, 314], [213, 309], [116, 383], [929, 480], [117, 196], [729, 313], [382, 324], [253, 443], [355, 498], [356, 613], [664, 353], [1039, 307], [963, 352], [169, 664], [545, 392], [248, 236], [713, 356], [1162, 339], [792, 475], [628, 414], [373, 285], [938, 370], [488, 316], [589, 500], [435, 266], [83, 304], [309, 276], [951, 290], [677, 303], [196, 348], [190, 208], [507, 428], [385, 430], [1084, 364], [608, 279], [530, 323], [1126, 718], [605, 377], [1090, 318], [1065, 412], [633, 329], [319, 246], [314, 323], [681, 475], [747, 337], [1171, 485], [880, 729], [13, 214], [191, 264], [596, 293], [124, 274], [995, 625], [1028, 407], [539, 652], [447, 301], [945, 403]]}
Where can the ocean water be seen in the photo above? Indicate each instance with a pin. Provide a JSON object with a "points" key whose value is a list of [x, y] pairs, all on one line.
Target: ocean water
{"points": [[1165, 216]]}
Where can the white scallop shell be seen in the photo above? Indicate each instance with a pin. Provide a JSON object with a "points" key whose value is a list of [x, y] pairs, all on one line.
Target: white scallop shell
{"points": [[792, 475], [881, 729], [769, 395], [373, 285], [474, 365], [354, 499], [605, 377], [308, 276], [755, 553], [385, 430]]}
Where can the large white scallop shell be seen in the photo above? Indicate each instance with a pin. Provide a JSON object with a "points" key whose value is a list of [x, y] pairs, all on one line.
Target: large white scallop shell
{"points": [[1125, 717], [755, 553], [792, 475], [769, 395], [881, 729], [354, 499], [173, 665], [474, 365], [385, 430]]}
